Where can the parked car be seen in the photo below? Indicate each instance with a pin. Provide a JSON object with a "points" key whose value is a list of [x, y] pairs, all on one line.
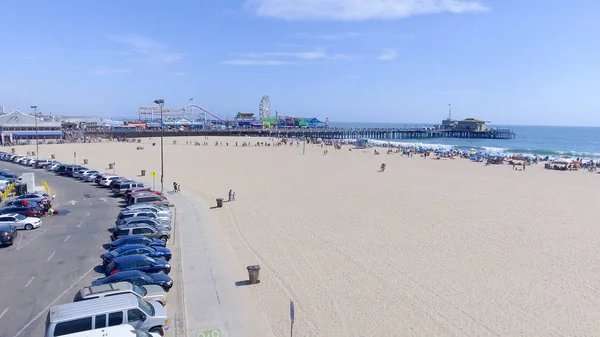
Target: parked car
{"points": [[136, 240], [8, 234], [20, 221], [148, 198], [160, 211], [91, 177], [28, 211], [143, 263], [150, 231], [31, 197], [164, 216], [52, 167], [121, 188], [86, 173], [155, 222], [70, 170], [105, 182], [147, 292], [136, 249], [8, 175], [41, 163], [137, 278]]}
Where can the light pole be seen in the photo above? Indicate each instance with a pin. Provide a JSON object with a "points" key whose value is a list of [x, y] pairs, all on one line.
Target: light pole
{"points": [[161, 104], [37, 146]]}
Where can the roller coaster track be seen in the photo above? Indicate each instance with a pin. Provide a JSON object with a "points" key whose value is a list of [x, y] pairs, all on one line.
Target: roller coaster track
{"points": [[199, 108], [186, 109]]}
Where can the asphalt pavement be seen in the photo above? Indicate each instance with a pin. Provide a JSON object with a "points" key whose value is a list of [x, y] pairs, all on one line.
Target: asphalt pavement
{"points": [[48, 265]]}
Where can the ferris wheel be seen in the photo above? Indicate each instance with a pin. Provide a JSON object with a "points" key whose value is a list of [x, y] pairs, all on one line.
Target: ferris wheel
{"points": [[264, 108]]}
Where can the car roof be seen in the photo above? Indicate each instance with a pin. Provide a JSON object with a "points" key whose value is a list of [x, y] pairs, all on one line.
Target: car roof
{"points": [[70, 311], [106, 288], [128, 225], [133, 246], [8, 214], [130, 258]]}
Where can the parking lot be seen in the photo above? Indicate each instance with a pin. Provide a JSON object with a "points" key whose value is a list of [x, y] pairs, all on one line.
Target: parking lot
{"points": [[48, 265]]}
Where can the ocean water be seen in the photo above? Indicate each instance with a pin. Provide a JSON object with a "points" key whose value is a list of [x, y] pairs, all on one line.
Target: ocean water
{"points": [[582, 142]]}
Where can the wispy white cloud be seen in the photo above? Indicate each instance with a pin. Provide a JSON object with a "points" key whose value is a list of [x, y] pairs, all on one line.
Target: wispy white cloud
{"points": [[255, 62], [360, 10], [147, 48], [101, 71], [347, 35], [315, 54], [388, 55]]}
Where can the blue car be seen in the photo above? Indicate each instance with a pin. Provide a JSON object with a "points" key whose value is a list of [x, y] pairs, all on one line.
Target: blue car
{"points": [[138, 262], [137, 249], [136, 240], [137, 278]]}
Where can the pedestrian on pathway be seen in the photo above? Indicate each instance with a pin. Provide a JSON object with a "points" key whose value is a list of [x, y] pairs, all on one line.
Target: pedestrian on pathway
{"points": [[230, 195], [174, 187]]}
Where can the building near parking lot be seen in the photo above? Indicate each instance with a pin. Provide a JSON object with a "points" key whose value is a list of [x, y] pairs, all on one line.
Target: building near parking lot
{"points": [[16, 127]]}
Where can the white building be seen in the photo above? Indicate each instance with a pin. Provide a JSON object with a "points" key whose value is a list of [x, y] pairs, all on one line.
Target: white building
{"points": [[17, 126]]}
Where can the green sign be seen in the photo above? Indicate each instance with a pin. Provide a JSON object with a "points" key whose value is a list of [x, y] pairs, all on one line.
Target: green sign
{"points": [[209, 333]]}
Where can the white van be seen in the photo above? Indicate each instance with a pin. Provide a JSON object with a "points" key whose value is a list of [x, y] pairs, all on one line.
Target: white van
{"points": [[106, 312], [124, 330]]}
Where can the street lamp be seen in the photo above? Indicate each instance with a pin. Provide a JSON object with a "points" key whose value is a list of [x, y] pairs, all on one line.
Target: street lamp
{"points": [[161, 104], [37, 146]]}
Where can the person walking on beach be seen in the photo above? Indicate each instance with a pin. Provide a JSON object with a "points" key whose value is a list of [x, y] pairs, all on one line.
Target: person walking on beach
{"points": [[174, 187], [230, 195]]}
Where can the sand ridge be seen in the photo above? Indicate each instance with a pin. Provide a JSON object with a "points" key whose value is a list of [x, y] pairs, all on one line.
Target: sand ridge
{"points": [[427, 248]]}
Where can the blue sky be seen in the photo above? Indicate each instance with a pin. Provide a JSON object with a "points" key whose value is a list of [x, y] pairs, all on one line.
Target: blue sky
{"points": [[510, 62]]}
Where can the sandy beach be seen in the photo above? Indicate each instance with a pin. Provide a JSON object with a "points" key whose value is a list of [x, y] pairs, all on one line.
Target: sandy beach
{"points": [[426, 248]]}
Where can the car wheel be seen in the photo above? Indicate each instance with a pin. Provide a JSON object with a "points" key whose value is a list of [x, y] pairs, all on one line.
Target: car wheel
{"points": [[158, 330], [164, 238], [29, 227]]}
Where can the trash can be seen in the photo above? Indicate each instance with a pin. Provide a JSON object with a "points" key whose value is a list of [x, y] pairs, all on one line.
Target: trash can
{"points": [[143, 173], [253, 272], [85, 161], [53, 156], [219, 202], [110, 166]]}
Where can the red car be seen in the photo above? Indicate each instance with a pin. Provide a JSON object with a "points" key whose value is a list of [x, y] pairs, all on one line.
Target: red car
{"points": [[23, 210]]}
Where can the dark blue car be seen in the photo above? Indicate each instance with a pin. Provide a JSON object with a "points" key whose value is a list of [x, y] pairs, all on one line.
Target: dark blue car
{"points": [[136, 240], [137, 249], [137, 278], [138, 262]]}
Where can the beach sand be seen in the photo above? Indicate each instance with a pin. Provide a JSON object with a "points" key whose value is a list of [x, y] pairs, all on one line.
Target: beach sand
{"points": [[427, 248]]}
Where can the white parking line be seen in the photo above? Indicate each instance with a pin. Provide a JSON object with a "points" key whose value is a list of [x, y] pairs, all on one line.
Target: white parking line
{"points": [[4, 312], [30, 280], [88, 214], [45, 310], [51, 255], [81, 223], [67, 238]]}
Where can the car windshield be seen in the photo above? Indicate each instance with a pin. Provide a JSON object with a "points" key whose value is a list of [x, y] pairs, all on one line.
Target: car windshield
{"points": [[151, 260], [114, 253], [20, 217], [140, 291], [146, 307]]}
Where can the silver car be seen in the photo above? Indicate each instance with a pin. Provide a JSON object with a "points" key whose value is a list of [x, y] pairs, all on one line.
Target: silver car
{"points": [[20, 221], [148, 292], [145, 220]]}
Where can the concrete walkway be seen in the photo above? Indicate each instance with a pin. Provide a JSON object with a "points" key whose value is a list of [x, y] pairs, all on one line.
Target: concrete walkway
{"points": [[212, 300]]}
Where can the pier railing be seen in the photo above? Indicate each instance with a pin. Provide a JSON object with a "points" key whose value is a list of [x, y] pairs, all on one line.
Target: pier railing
{"points": [[324, 133]]}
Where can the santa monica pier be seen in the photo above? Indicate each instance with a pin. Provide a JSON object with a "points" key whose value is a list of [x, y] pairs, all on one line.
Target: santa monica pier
{"points": [[193, 120]]}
